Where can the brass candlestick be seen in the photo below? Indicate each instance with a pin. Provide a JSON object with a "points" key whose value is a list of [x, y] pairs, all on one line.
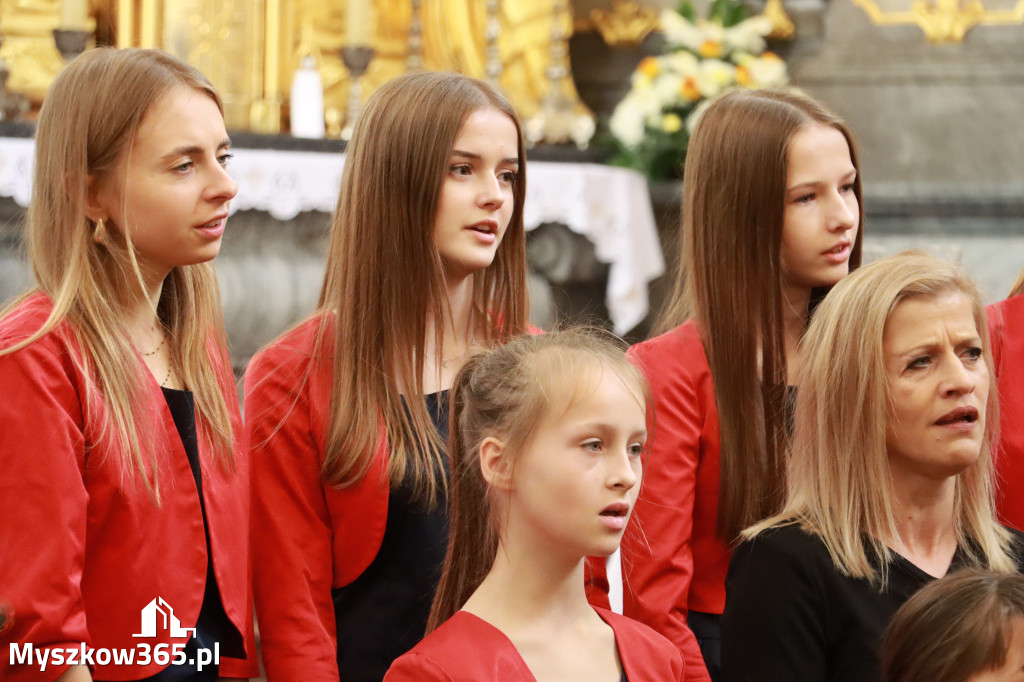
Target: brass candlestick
{"points": [[12, 104], [70, 42], [414, 59], [357, 59]]}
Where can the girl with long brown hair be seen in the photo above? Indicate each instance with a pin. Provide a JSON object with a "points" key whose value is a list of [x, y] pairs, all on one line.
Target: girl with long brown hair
{"points": [[126, 489], [771, 211], [347, 413], [548, 436], [1006, 327]]}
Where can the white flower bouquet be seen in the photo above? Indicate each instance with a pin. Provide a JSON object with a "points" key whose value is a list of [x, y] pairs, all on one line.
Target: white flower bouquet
{"points": [[651, 126]]}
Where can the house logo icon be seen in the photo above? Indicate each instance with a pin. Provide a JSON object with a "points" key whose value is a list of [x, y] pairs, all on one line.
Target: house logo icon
{"points": [[159, 613]]}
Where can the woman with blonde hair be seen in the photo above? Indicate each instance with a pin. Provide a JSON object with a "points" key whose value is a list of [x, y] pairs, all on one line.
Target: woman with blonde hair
{"points": [[889, 478], [771, 219], [347, 413], [548, 436], [1006, 326], [968, 627], [119, 419]]}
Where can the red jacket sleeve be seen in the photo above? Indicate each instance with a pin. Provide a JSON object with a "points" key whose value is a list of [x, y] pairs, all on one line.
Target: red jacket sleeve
{"points": [[657, 554], [291, 527], [43, 526]]}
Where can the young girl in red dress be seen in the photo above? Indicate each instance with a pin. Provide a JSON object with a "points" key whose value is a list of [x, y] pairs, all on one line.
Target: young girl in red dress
{"points": [[347, 413], [549, 435], [125, 483], [771, 218]]}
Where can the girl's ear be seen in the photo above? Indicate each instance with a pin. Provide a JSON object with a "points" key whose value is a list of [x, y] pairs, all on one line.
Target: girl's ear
{"points": [[496, 463], [94, 208]]}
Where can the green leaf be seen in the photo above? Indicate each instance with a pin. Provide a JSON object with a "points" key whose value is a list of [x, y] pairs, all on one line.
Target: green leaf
{"points": [[687, 11]]}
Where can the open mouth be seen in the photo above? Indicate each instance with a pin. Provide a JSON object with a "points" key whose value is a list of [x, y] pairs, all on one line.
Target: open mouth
{"points": [[838, 248], [618, 510], [486, 227], [212, 224], [961, 415]]}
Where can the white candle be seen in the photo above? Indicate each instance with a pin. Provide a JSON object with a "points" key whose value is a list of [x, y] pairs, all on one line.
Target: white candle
{"points": [[74, 14], [357, 22]]}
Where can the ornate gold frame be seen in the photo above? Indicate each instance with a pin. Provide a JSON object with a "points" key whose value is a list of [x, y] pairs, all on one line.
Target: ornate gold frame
{"points": [[944, 21]]}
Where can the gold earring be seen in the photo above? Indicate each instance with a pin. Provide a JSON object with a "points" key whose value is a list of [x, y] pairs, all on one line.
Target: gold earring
{"points": [[99, 233]]}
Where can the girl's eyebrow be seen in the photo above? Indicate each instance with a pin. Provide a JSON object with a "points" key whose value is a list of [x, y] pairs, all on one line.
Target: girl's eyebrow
{"points": [[477, 157], [193, 149]]}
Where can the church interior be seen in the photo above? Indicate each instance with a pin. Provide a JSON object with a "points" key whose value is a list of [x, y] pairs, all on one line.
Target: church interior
{"points": [[932, 89]]}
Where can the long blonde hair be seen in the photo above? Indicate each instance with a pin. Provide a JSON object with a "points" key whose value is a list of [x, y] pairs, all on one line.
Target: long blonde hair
{"points": [[839, 478], [1018, 286], [88, 122], [730, 280], [384, 274], [505, 393]]}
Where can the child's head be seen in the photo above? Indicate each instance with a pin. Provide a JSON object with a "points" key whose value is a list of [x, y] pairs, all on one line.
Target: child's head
{"points": [[968, 627], [547, 436]]}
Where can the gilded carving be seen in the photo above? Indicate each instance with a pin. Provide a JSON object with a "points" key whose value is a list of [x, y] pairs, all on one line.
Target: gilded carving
{"points": [[944, 21]]}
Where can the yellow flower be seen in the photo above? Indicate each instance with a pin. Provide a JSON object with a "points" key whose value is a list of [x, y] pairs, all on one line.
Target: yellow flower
{"points": [[689, 89], [710, 49], [649, 67], [742, 76], [770, 55], [671, 123]]}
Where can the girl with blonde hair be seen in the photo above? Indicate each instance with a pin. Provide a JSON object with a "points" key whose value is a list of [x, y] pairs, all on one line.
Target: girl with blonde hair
{"points": [[347, 413], [889, 478], [771, 219], [119, 420], [548, 435], [1006, 327]]}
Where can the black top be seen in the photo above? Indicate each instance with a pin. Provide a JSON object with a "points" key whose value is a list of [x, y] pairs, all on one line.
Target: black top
{"points": [[214, 630], [790, 614], [383, 613]]}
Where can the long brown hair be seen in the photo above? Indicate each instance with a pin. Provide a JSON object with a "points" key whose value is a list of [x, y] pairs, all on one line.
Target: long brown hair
{"points": [[505, 393], [839, 481], [730, 281], [384, 274], [87, 123], [954, 628]]}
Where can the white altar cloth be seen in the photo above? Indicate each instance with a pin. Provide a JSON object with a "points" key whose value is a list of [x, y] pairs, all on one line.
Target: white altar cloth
{"points": [[610, 206]]}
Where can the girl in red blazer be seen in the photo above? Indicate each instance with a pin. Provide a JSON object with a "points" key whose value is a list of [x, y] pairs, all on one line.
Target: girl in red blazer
{"points": [[549, 434], [1006, 329], [347, 413], [771, 211], [124, 551]]}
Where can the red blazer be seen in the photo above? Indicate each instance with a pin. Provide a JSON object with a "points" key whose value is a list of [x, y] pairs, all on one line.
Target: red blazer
{"points": [[673, 560], [307, 538], [82, 555], [469, 649], [1006, 327]]}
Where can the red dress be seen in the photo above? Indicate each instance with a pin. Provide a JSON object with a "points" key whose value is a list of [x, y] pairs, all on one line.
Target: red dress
{"points": [[81, 555], [673, 561], [469, 649], [1006, 327]]}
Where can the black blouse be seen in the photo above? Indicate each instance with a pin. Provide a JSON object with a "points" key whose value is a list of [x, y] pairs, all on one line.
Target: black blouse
{"points": [[383, 613], [791, 615]]}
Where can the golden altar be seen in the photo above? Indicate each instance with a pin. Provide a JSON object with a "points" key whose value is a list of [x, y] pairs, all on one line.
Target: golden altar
{"points": [[251, 48]]}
